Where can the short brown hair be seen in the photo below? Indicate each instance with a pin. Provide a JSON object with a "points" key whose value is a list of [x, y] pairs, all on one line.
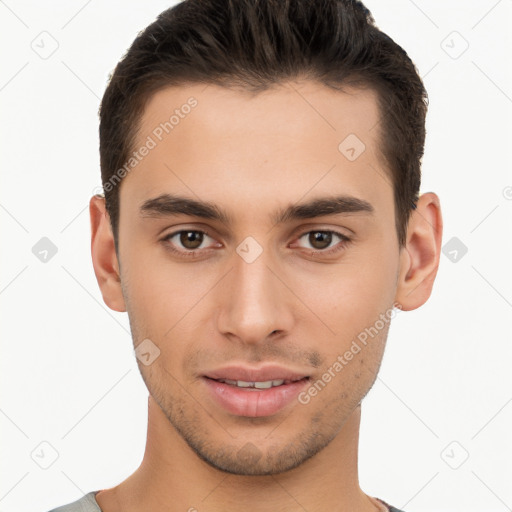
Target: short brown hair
{"points": [[255, 44]]}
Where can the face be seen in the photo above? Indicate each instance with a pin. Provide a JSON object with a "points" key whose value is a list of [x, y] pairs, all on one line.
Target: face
{"points": [[257, 248]]}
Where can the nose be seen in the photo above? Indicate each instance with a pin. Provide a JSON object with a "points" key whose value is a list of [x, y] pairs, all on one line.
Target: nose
{"points": [[255, 301]]}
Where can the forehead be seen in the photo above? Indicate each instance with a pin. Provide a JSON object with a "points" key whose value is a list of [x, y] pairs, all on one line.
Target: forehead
{"points": [[296, 138], [290, 109]]}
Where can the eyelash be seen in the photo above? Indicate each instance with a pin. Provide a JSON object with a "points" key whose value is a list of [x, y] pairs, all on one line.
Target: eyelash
{"points": [[195, 253]]}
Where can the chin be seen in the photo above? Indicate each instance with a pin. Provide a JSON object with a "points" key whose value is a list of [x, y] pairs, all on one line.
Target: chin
{"points": [[251, 460]]}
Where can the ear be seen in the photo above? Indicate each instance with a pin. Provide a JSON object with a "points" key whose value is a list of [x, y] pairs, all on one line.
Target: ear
{"points": [[104, 257], [419, 259]]}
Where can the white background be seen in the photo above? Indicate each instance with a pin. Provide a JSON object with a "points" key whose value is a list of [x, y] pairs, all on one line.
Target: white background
{"points": [[68, 373]]}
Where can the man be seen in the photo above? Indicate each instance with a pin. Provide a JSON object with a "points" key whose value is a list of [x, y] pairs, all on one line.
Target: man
{"points": [[261, 226]]}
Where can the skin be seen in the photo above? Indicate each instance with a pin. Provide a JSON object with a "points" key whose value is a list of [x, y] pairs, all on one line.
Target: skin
{"points": [[252, 155]]}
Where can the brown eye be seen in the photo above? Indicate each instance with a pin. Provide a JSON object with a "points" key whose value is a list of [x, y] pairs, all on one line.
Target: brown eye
{"points": [[323, 242], [320, 239], [191, 239], [190, 243]]}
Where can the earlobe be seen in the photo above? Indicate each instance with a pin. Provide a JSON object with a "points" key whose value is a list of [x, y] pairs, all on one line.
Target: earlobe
{"points": [[104, 257], [419, 259]]}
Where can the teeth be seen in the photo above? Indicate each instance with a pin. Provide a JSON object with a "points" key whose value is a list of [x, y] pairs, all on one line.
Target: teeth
{"points": [[263, 385], [258, 385]]}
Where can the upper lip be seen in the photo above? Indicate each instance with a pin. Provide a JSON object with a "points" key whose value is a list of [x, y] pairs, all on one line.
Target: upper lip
{"points": [[266, 373]]}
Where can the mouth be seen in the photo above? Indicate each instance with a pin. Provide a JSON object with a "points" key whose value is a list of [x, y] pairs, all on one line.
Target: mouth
{"points": [[254, 392], [266, 384]]}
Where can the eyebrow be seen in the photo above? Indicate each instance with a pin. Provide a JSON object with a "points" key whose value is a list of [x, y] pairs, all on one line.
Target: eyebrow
{"points": [[170, 205]]}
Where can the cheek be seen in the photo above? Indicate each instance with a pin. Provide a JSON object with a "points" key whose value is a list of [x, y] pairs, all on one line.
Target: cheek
{"points": [[167, 303], [159, 290], [356, 302], [349, 373], [354, 294]]}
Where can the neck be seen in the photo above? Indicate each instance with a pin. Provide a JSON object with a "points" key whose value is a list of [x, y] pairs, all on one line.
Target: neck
{"points": [[172, 477]]}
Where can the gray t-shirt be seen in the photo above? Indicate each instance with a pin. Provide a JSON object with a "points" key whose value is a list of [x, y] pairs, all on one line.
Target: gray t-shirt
{"points": [[88, 503]]}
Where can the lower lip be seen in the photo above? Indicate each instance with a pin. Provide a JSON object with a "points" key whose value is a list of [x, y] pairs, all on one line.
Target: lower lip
{"points": [[254, 402]]}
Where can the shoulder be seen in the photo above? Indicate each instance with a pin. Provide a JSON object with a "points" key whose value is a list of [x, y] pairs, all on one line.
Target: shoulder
{"points": [[86, 503], [389, 507]]}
